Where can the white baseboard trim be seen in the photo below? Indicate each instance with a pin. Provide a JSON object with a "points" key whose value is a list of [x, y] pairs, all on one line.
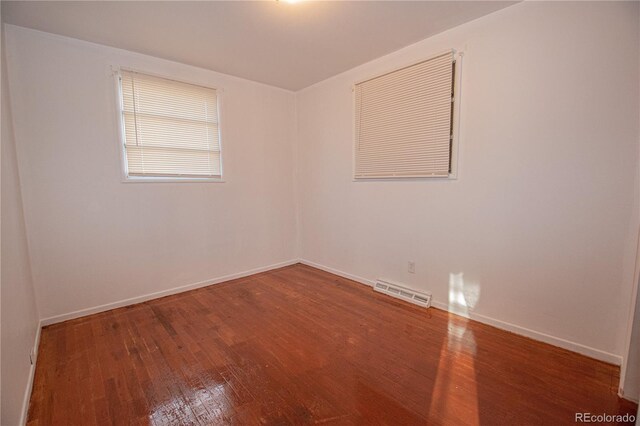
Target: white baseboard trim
{"points": [[522, 331], [342, 274], [138, 299], [635, 399], [32, 376], [537, 335]]}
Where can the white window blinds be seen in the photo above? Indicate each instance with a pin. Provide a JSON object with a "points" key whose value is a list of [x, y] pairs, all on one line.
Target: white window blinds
{"points": [[170, 128], [403, 121]]}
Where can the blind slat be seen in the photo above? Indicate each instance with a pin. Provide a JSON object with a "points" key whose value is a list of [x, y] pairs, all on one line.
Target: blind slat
{"points": [[170, 128], [403, 121]]}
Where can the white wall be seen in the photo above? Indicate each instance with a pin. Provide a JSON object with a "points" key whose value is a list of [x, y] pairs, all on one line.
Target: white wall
{"points": [[631, 366], [542, 216], [94, 240], [19, 316]]}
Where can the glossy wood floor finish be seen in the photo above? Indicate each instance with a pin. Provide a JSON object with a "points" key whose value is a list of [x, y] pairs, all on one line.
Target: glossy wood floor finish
{"points": [[300, 346]]}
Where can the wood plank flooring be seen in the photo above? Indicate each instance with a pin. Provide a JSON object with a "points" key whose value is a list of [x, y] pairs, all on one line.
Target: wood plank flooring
{"points": [[301, 346]]}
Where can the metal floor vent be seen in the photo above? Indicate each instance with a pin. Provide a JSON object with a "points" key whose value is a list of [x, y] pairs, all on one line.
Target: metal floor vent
{"points": [[400, 292]]}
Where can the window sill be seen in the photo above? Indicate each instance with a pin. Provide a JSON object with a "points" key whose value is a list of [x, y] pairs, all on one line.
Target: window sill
{"points": [[170, 180], [452, 176]]}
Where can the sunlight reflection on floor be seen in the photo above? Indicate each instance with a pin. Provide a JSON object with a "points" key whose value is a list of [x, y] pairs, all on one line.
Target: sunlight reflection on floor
{"points": [[212, 401], [455, 381]]}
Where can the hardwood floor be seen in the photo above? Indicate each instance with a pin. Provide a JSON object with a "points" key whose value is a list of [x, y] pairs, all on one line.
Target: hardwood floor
{"points": [[300, 346]]}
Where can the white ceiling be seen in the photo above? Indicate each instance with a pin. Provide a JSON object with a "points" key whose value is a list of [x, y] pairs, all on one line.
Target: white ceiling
{"points": [[278, 43]]}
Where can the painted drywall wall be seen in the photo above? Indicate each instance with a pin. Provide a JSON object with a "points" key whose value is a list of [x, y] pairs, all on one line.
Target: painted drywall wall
{"points": [[95, 240], [631, 367], [19, 315], [536, 231]]}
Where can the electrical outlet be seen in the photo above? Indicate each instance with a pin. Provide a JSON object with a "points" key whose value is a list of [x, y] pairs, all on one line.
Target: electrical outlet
{"points": [[412, 267]]}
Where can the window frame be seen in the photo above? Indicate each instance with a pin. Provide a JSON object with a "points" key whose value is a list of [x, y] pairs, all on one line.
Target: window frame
{"points": [[458, 56], [124, 172]]}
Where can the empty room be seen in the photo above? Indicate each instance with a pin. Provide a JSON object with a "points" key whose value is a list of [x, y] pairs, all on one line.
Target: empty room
{"points": [[320, 212]]}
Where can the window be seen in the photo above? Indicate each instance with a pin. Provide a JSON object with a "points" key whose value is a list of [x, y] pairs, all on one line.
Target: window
{"points": [[170, 129], [404, 121]]}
